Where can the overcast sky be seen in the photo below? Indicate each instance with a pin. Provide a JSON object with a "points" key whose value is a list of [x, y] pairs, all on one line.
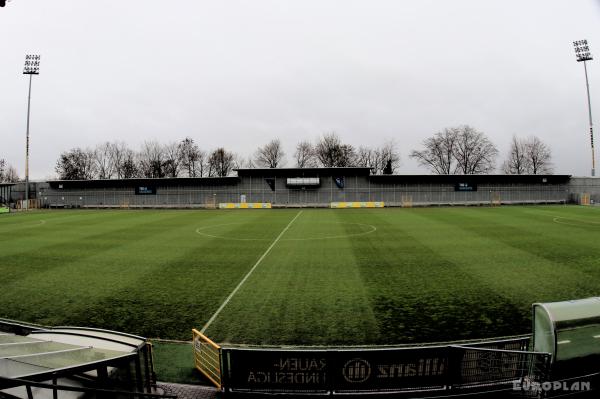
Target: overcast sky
{"points": [[239, 73]]}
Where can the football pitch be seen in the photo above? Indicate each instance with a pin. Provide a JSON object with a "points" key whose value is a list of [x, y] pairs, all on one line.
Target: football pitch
{"points": [[298, 277]]}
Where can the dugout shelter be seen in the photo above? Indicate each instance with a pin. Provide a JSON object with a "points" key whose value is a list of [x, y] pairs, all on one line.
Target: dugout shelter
{"points": [[5, 193], [73, 362], [570, 332]]}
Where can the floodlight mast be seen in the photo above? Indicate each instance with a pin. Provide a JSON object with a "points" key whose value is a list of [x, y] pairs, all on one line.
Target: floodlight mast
{"points": [[32, 67], [582, 52]]}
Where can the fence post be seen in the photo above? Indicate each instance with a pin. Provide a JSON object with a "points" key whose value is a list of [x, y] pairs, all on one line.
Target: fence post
{"points": [[453, 369]]}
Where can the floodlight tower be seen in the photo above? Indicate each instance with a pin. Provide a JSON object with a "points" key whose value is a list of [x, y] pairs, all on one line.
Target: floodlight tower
{"points": [[582, 52], [32, 67]]}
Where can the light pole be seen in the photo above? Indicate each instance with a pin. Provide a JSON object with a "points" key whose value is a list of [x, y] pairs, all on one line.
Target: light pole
{"points": [[32, 67], [582, 52]]}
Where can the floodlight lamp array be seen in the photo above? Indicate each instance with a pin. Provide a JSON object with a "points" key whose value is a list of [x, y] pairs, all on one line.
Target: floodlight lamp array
{"points": [[582, 50], [32, 64]]}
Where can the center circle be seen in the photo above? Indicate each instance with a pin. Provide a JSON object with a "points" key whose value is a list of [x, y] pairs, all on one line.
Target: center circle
{"points": [[574, 222], [366, 229]]}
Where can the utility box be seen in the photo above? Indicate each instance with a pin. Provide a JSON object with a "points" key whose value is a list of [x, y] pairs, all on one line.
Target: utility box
{"points": [[570, 332]]}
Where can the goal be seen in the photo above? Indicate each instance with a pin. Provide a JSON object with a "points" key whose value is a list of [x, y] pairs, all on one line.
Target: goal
{"points": [[211, 203], [584, 199], [407, 201], [495, 199]]}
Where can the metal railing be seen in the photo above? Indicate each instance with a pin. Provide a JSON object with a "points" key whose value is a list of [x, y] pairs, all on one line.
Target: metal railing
{"points": [[207, 357], [90, 392]]}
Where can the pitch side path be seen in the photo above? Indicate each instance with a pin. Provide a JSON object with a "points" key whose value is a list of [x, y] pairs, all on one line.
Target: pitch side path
{"points": [[316, 277]]}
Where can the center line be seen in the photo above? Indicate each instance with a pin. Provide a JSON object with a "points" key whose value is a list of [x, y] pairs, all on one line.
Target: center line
{"points": [[214, 316]]}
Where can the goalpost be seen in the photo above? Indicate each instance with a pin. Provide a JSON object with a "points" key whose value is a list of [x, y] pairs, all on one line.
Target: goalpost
{"points": [[495, 199], [407, 201], [584, 199], [211, 202]]}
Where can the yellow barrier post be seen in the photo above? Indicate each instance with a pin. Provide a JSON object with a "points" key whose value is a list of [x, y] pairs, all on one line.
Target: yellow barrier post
{"points": [[207, 357], [367, 204], [245, 205]]}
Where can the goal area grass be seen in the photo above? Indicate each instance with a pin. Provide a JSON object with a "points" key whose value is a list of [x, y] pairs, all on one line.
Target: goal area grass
{"points": [[299, 277]]}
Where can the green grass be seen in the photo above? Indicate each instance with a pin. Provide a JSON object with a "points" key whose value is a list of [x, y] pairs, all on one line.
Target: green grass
{"points": [[174, 362], [335, 277]]}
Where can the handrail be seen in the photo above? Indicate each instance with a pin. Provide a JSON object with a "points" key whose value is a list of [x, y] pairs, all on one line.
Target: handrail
{"points": [[206, 339], [84, 389]]}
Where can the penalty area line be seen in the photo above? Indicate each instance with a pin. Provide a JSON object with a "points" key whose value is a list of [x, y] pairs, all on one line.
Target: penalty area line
{"points": [[235, 290]]}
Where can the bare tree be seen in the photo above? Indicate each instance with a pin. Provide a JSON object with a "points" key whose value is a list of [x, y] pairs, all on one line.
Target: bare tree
{"points": [[539, 156], [220, 163], [249, 163], [517, 162], [11, 175], [192, 158], [271, 155], [76, 164], [172, 159], [367, 157], [128, 166], [389, 158], [118, 156], [458, 150], [3, 167], [331, 152], [530, 156], [151, 160], [474, 152], [305, 155], [381, 160], [8, 174], [438, 152], [103, 160], [240, 162]]}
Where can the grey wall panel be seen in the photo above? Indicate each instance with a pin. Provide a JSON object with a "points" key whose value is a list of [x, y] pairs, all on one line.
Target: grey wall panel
{"points": [[356, 188]]}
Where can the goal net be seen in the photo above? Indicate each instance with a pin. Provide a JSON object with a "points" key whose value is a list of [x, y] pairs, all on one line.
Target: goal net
{"points": [[495, 199], [211, 203]]}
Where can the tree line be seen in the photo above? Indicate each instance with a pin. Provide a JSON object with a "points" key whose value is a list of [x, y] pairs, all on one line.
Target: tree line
{"points": [[115, 160], [465, 150], [111, 160], [454, 150]]}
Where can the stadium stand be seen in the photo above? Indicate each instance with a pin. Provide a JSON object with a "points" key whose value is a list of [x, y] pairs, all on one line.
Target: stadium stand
{"points": [[310, 187]]}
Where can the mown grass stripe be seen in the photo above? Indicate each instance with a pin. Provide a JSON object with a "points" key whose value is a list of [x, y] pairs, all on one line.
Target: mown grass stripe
{"points": [[235, 290]]}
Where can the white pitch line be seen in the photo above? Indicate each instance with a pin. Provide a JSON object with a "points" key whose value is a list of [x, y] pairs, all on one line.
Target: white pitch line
{"points": [[235, 290]]}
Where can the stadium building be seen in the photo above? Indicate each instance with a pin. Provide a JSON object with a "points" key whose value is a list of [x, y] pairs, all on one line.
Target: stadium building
{"points": [[309, 187]]}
